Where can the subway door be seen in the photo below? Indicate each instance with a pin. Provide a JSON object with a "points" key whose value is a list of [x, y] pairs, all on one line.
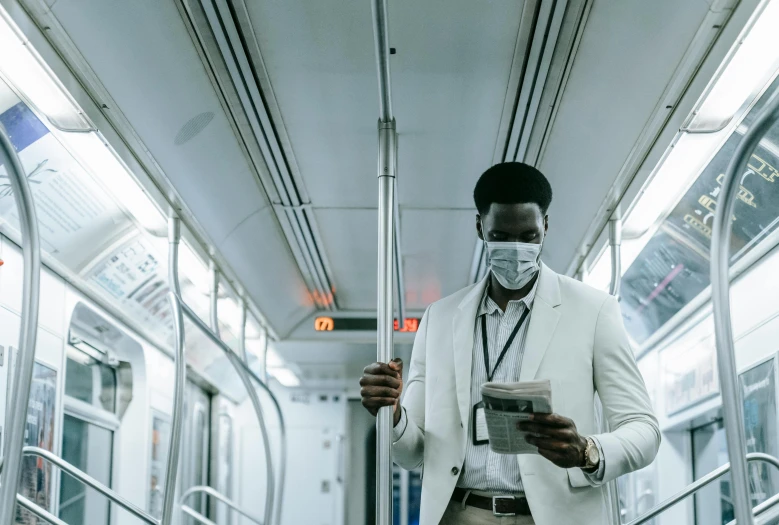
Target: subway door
{"points": [[222, 458], [316, 460], [196, 449]]}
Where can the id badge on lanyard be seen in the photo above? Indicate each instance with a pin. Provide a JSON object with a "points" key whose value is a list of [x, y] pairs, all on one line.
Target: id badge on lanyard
{"points": [[480, 435], [479, 418]]}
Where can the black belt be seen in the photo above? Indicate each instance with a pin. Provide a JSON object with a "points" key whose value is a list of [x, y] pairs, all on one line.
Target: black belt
{"points": [[499, 505]]}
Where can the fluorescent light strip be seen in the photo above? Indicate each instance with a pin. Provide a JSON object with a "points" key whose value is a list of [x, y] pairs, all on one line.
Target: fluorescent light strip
{"points": [[27, 72]]}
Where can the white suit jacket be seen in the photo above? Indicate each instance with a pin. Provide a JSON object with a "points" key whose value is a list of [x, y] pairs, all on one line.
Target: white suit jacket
{"points": [[577, 340]]}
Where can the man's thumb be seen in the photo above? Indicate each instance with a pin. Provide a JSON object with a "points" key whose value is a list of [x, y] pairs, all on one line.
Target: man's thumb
{"points": [[396, 364]]}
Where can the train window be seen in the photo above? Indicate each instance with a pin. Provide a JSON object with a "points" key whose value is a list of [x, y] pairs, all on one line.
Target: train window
{"points": [[88, 447], [36, 483], [673, 267], [90, 381], [89, 426], [225, 466], [160, 437]]}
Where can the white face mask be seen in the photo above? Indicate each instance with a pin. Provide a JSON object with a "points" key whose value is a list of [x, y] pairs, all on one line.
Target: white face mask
{"points": [[514, 264]]}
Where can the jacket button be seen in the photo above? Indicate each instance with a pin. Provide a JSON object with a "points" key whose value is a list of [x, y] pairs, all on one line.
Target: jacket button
{"points": [[455, 471]]}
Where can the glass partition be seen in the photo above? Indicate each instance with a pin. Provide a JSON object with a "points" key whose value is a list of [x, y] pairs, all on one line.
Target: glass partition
{"points": [[673, 266]]}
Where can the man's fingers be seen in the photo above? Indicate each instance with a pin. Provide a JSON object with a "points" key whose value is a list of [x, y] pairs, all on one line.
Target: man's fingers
{"points": [[379, 391], [564, 434], [552, 420], [380, 380], [377, 402], [381, 369]]}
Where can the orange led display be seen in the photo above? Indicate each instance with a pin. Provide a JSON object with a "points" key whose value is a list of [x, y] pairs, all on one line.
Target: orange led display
{"points": [[324, 324]]}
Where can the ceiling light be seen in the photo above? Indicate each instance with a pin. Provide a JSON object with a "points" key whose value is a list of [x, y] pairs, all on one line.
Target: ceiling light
{"points": [[106, 167], [285, 376], [27, 72], [676, 172], [754, 62]]}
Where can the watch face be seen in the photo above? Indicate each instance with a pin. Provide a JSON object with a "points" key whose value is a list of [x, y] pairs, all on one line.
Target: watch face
{"points": [[593, 456]]}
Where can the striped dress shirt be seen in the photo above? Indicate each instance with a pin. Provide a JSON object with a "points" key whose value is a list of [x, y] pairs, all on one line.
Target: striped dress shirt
{"points": [[483, 469]]}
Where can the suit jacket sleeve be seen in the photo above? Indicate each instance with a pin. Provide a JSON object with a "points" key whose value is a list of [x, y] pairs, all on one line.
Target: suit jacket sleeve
{"points": [[634, 436], [409, 449]]}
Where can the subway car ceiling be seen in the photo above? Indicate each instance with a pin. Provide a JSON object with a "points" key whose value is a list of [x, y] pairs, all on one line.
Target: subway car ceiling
{"points": [[258, 122]]}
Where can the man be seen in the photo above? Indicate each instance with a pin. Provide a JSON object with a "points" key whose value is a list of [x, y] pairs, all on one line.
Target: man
{"points": [[521, 322]]}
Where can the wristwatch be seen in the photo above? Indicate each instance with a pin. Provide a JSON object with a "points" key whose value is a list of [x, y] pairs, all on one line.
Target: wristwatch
{"points": [[591, 455]]}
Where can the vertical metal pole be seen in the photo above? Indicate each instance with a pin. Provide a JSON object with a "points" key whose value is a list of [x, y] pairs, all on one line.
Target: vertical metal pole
{"points": [[214, 298], [22, 380], [386, 173], [179, 363], [720, 283], [385, 318], [399, 282], [242, 334], [615, 243]]}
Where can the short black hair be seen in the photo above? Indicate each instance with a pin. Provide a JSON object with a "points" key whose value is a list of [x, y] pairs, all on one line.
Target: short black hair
{"points": [[512, 183]]}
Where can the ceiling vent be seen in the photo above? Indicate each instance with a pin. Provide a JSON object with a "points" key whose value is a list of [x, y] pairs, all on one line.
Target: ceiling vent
{"points": [[226, 42], [546, 42]]}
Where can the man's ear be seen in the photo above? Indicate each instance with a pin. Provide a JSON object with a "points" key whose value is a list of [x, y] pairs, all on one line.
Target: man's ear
{"points": [[546, 224], [479, 231]]}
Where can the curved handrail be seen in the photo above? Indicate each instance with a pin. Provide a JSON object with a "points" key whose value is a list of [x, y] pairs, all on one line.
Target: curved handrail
{"points": [[246, 375], [204, 489], [38, 511], [699, 484], [192, 513], [720, 287], [180, 378], [88, 480], [28, 330]]}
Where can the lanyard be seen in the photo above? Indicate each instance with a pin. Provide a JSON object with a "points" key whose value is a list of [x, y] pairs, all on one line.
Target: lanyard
{"points": [[506, 347]]}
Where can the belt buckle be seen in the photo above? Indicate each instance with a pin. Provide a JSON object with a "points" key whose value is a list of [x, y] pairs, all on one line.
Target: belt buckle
{"points": [[495, 506]]}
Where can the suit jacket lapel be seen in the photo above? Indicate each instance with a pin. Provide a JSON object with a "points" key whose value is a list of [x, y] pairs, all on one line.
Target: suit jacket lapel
{"points": [[463, 325], [543, 321]]}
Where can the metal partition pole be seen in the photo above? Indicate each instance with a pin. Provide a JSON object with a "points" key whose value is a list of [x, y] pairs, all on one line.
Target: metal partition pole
{"points": [[88, 480], [202, 489], [179, 363], [699, 484], [720, 283], [28, 330], [192, 513], [214, 298], [246, 375], [38, 511], [386, 175], [384, 420], [615, 244]]}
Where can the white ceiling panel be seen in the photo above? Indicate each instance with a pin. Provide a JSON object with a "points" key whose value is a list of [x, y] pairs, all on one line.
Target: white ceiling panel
{"points": [[319, 57], [349, 236], [449, 80], [437, 246], [260, 257], [145, 58], [627, 56]]}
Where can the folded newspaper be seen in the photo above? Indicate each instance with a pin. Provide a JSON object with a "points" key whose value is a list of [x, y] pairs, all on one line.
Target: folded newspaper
{"points": [[505, 405]]}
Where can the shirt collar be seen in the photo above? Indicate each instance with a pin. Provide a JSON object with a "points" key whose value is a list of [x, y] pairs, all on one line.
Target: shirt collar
{"points": [[488, 306]]}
